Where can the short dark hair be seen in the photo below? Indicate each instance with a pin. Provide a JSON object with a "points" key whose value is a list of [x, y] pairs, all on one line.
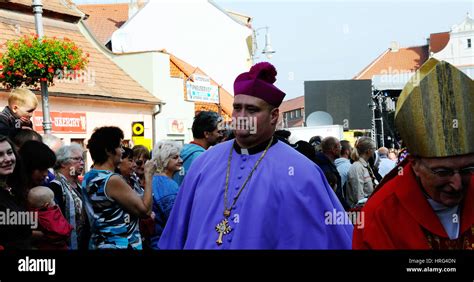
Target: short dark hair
{"points": [[345, 146], [127, 153], [20, 136], [305, 149], [205, 121], [328, 143], [104, 139], [36, 155]]}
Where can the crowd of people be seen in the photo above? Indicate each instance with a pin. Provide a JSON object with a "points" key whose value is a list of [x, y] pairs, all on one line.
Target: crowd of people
{"points": [[247, 190]]}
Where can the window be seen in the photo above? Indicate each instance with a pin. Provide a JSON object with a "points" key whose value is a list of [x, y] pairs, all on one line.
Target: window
{"points": [[297, 114], [292, 114], [469, 43]]}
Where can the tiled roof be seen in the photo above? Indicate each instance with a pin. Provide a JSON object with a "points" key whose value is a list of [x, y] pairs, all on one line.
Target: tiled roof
{"points": [[104, 19], [51, 8], [292, 104], [106, 81], [438, 41], [404, 60], [181, 69]]}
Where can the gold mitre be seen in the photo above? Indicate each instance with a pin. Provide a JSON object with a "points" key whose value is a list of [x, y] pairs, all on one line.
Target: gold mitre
{"points": [[435, 111]]}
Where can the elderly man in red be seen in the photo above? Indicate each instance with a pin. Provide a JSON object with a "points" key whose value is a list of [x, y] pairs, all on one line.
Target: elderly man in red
{"points": [[428, 201]]}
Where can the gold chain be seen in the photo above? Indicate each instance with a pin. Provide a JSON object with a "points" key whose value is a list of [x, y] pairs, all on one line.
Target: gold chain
{"points": [[226, 209]]}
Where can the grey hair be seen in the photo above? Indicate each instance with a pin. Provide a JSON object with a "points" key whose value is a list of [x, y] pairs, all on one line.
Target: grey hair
{"points": [[63, 155], [162, 153], [363, 145]]}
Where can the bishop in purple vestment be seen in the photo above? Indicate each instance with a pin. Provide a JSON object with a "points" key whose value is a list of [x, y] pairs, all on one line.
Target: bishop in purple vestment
{"points": [[285, 201]]}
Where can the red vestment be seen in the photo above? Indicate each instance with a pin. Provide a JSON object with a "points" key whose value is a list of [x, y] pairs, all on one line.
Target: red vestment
{"points": [[398, 216]]}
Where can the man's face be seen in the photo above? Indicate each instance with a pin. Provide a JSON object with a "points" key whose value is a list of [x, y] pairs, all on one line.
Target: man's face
{"points": [[25, 111], [255, 121], [213, 137], [337, 150], [446, 189]]}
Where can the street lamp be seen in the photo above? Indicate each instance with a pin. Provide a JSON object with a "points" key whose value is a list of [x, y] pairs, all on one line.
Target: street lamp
{"points": [[268, 51], [38, 12]]}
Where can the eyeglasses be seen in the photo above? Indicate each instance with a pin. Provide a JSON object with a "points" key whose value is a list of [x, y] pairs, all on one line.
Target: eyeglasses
{"points": [[77, 159], [442, 172]]}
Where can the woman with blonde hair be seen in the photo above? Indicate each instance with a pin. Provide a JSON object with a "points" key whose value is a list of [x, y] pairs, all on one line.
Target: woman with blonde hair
{"points": [[166, 155], [361, 179]]}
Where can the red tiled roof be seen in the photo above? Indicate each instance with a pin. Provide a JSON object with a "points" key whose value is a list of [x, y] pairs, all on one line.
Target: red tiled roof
{"points": [[107, 80], [181, 69], [438, 41], [104, 19], [404, 60], [292, 104], [51, 8]]}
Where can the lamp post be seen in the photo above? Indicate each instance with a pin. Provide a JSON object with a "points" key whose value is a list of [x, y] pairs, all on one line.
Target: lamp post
{"points": [[38, 12], [268, 50]]}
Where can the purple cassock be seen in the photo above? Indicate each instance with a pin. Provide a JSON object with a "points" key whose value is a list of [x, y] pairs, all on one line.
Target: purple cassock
{"points": [[283, 205]]}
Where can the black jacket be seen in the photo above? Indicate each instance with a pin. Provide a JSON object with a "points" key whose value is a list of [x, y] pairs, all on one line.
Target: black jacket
{"points": [[13, 236], [329, 168], [9, 124]]}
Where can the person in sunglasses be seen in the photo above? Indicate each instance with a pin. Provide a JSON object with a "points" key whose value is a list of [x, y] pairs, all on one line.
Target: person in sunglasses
{"points": [[427, 202]]}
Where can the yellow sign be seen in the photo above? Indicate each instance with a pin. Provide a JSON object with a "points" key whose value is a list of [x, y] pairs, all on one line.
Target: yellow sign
{"points": [[140, 140], [349, 136], [138, 128]]}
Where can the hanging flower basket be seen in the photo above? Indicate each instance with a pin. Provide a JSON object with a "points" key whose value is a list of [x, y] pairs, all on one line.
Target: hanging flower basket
{"points": [[30, 60]]}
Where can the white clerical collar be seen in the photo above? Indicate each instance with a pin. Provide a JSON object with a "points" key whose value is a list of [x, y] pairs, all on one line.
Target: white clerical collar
{"points": [[449, 217], [254, 150]]}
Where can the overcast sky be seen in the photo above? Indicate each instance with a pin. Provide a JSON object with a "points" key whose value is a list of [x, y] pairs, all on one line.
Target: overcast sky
{"points": [[325, 40]]}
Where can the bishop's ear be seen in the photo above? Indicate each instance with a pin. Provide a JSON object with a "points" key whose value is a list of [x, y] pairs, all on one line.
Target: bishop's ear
{"points": [[274, 114]]}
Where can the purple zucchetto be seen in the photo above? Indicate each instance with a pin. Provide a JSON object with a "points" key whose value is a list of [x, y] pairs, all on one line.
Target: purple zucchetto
{"points": [[258, 82]]}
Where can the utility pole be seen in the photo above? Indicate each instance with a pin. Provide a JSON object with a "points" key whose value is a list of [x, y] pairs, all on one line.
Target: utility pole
{"points": [[38, 12]]}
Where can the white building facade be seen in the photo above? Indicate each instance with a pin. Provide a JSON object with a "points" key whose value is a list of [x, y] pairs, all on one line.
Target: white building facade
{"points": [[197, 31], [152, 71], [460, 49]]}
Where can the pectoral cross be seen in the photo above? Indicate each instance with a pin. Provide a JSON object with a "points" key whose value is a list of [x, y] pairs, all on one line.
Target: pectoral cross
{"points": [[222, 228]]}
